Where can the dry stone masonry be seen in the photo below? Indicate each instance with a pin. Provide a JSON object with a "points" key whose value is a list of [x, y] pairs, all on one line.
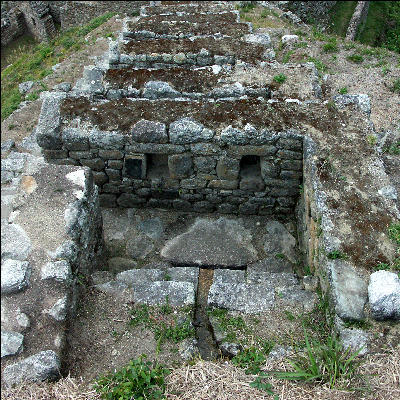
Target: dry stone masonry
{"points": [[180, 121]]}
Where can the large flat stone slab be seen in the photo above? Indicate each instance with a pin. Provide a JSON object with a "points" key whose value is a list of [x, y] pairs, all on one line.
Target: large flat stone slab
{"points": [[222, 243], [178, 294], [246, 298]]}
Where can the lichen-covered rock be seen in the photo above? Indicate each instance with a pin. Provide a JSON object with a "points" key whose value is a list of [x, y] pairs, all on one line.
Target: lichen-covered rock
{"points": [[348, 289], [15, 243], [187, 130], [59, 271], [14, 276], [11, 343], [39, 367], [159, 89], [384, 295], [59, 310], [149, 132]]}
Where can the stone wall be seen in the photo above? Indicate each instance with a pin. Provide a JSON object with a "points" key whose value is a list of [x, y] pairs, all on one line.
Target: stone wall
{"points": [[358, 18], [51, 231], [183, 165], [309, 11], [74, 13]]}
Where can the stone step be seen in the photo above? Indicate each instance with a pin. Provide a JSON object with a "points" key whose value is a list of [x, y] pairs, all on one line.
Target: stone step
{"points": [[141, 277], [200, 51], [183, 29], [223, 18], [233, 291], [200, 7], [197, 83]]}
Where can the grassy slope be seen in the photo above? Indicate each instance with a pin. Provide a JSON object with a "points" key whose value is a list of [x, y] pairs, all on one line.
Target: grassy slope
{"points": [[34, 62], [340, 15]]}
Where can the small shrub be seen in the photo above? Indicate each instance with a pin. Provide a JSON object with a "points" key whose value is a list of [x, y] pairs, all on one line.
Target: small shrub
{"points": [[287, 56], [343, 90], [139, 380], [330, 48], [355, 58], [280, 78], [372, 140], [174, 332], [393, 149]]}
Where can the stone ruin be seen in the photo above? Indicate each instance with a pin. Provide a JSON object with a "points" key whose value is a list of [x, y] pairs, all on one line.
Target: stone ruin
{"points": [[182, 114]]}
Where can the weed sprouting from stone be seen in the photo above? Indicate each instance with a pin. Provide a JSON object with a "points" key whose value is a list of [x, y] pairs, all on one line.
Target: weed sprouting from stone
{"points": [[335, 255], [355, 58], [343, 90]]}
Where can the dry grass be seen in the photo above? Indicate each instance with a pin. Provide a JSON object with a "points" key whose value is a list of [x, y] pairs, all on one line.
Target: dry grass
{"points": [[212, 381], [222, 381], [65, 389]]}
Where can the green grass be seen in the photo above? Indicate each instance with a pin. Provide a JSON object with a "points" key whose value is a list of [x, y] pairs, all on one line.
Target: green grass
{"points": [[139, 380], [34, 62], [382, 26], [340, 15], [325, 362], [164, 329], [321, 67], [355, 58], [343, 90]]}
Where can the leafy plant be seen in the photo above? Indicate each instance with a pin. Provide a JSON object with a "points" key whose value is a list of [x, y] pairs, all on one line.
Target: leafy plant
{"points": [[287, 56], [139, 380], [323, 362], [335, 254], [261, 384], [343, 90], [280, 78], [173, 332], [250, 359]]}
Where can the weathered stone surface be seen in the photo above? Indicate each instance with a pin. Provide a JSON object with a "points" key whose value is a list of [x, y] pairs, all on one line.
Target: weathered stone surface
{"points": [[15, 243], [106, 140], [278, 280], [59, 310], [159, 89], [138, 247], [152, 227], [348, 289], [288, 39], [223, 242], [279, 241], [182, 274], [25, 87], [384, 295], [11, 343], [74, 139], [114, 288], [140, 277], [180, 165], [228, 276], [59, 271], [14, 276], [149, 132], [241, 297], [187, 130], [362, 101], [228, 168], [263, 39], [178, 293], [39, 367], [294, 295], [188, 349]]}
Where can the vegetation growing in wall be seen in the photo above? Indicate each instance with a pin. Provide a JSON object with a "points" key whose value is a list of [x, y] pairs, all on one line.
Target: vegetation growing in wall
{"points": [[35, 62]]}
